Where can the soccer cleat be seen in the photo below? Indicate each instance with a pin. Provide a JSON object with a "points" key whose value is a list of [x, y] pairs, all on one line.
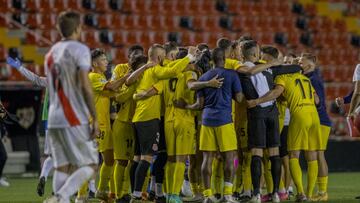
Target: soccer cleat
{"points": [[124, 199], [175, 199], [161, 199], [300, 198], [211, 199], [230, 199], [284, 196], [290, 191], [266, 198], [136, 200], [357, 197], [255, 199], [91, 195], [56, 199], [218, 197], [41, 186], [236, 196], [320, 197], [275, 198], [81, 200], [194, 198], [186, 190], [102, 195], [151, 196], [4, 183], [244, 198]]}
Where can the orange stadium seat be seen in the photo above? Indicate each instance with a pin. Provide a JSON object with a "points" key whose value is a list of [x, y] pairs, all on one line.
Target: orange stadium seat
{"points": [[91, 38], [75, 5], [46, 20], [32, 20], [59, 6], [104, 21], [46, 6], [102, 6], [2, 53]]}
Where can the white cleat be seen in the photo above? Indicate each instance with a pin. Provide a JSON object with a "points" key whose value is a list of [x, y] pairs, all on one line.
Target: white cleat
{"points": [[255, 199], [230, 199], [275, 198], [56, 199], [186, 190], [4, 183]]}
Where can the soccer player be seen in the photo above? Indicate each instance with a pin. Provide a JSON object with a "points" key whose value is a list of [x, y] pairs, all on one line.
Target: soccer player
{"points": [[103, 90], [313, 73], [217, 131], [71, 103], [304, 128], [147, 113], [123, 130]]}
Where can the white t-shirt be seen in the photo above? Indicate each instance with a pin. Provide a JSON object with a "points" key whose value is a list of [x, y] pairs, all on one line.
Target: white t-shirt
{"points": [[67, 105], [356, 76]]}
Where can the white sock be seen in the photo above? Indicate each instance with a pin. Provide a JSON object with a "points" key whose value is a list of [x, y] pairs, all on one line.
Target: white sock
{"points": [[158, 190], [46, 167], [92, 187], [137, 194], [152, 183], [74, 182], [59, 180]]}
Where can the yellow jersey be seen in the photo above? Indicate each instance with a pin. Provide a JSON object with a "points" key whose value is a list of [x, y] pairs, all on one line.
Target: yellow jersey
{"points": [[232, 64], [182, 91], [150, 108], [298, 92], [120, 71], [101, 98]]}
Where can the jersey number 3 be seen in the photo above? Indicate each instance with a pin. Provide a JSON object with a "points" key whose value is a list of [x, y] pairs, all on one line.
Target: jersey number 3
{"points": [[299, 83]]}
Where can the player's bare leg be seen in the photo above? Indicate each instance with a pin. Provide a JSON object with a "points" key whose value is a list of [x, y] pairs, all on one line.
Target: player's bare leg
{"points": [[206, 172], [229, 172]]}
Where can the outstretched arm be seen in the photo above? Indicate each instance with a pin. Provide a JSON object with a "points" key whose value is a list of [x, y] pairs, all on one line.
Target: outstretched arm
{"points": [[215, 82], [271, 95], [145, 94], [136, 74], [257, 68]]}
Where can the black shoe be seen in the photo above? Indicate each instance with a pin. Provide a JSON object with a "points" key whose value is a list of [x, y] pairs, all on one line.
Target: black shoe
{"points": [[161, 199], [217, 196], [236, 196], [125, 199], [41, 186], [136, 199], [91, 195], [358, 197], [151, 196], [244, 198]]}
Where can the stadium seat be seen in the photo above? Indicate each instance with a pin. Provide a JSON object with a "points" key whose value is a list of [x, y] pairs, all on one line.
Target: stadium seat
{"points": [[46, 21], [32, 20], [91, 38], [46, 6], [75, 5], [2, 53], [104, 21], [5, 6], [102, 6]]}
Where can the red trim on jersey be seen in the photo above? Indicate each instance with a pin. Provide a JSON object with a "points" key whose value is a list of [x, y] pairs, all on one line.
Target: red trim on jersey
{"points": [[68, 110]]}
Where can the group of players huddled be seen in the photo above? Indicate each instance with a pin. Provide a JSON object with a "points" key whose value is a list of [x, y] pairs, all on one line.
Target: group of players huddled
{"points": [[228, 116]]}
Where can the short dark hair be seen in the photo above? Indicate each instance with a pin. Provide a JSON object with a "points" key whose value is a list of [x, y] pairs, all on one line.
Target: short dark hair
{"points": [[245, 38], [203, 46], [217, 55], [95, 53], [247, 46], [272, 51], [234, 44], [182, 53], [137, 60], [135, 48], [170, 46], [223, 43], [67, 22]]}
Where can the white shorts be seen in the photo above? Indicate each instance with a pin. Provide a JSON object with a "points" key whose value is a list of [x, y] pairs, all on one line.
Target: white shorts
{"points": [[47, 150], [72, 146]]}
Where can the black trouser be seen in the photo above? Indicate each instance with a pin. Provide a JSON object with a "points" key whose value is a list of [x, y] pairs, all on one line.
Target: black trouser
{"points": [[3, 157]]}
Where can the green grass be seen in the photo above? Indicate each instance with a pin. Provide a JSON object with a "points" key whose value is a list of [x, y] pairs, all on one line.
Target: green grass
{"points": [[343, 187]]}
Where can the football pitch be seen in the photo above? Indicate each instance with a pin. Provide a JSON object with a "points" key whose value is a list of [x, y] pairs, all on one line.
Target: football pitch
{"points": [[343, 187]]}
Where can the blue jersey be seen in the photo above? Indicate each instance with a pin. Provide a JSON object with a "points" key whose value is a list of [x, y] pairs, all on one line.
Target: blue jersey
{"points": [[318, 84], [217, 101]]}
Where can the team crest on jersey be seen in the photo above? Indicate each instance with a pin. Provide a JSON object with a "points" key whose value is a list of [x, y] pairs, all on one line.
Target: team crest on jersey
{"points": [[26, 116]]}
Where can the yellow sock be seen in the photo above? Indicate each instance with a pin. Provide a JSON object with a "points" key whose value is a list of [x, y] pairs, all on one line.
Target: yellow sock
{"points": [[194, 188], [207, 193], [238, 179], [247, 172], [83, 190], [112, 184], [228, 188], [201, 187], [282, 185], [146, 182], [126, 180], [322, 184], [296, 174], [178, 177], [312, 176], [169, 176], [118, 179], [104, 178], [268, 176], [217, 176]]}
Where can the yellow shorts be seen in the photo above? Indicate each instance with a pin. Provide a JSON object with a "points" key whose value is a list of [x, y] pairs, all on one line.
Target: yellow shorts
{"points": [[241, 133], [222, 138], [124, 140], [180, 137], [104, 139], [325, 132], [304, 132]]}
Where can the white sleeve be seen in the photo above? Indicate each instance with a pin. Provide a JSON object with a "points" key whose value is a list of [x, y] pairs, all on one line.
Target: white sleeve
{"points": [[356, 76], [83, 58], [40, 81]]}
